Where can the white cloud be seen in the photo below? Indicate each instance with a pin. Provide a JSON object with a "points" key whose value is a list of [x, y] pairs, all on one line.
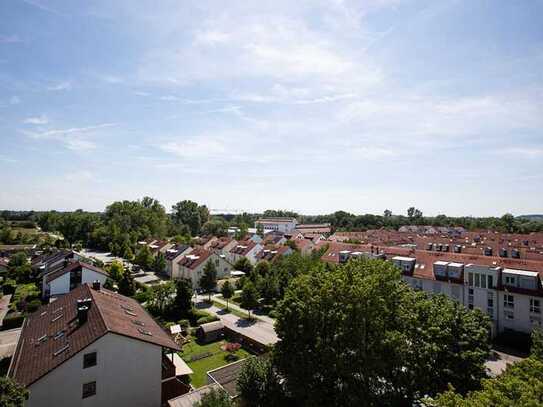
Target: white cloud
{"points": [[64, 85], [43, 119], [196, 147], [75, 138]]}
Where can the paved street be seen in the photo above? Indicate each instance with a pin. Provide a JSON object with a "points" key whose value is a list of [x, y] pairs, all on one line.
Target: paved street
{"points": [[8, 342], [4, 307]]}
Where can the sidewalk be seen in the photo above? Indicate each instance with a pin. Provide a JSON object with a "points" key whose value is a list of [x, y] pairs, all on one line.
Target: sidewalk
{"points": [[234, 306]]}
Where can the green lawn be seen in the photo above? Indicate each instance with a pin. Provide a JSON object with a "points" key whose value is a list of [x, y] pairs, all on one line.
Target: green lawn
{"points": [[204, 365]]}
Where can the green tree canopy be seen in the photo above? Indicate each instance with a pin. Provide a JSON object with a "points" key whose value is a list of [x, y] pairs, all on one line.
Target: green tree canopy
{"points": [[182, 303], [116, 270], [357, 335], [259, 384], [11, 393], [159, 263], [126, 284], [215, 398], [249, 296], [243, 264], [189, 213], [227, 291], [208, 281]]}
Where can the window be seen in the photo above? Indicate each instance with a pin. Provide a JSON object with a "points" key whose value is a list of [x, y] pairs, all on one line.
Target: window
{"points": [[89, 389], [508, 301], [509, 315], [483, 281], [490, 303], [89, 360], [535, 306], [470, 298], [470, 279], [509, 280], [490, 282], [437, 288], [477, 280]]}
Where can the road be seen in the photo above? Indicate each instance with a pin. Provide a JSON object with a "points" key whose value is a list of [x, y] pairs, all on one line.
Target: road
{"points": [[8, 342]]}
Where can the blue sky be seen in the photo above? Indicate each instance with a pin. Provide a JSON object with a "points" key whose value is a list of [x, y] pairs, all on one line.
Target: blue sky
{"points": [[313, 106]]}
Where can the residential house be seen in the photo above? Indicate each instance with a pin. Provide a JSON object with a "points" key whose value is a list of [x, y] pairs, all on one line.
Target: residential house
{"points": [[94, 347], [273, 252], [172, 256], [191, 266], [245, 248], [65, 279]]}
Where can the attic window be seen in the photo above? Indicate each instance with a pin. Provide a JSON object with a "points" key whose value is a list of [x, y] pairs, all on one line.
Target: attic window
{"points": [[126, 308], [63, 349], [42, 338], [59, 334], [133, 314], [57, 318], [145, 332], [138, 322], [43, 313]]}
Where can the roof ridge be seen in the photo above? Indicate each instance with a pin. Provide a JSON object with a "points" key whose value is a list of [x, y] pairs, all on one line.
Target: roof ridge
{"points": [[93, 295]]}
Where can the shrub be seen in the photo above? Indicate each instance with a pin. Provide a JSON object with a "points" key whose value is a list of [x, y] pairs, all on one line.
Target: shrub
{"points": [[142, 296], [9, 287], [13, 320], [184, 323], [205, 320], [33, 305]]}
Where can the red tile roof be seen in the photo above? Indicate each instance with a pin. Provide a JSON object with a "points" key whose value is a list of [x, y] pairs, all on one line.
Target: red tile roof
{"points": [[194, 258], [243, 247], [38, 352]]}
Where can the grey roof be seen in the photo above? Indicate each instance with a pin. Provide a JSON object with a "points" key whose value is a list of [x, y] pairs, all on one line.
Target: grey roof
{"points": [[212, 326], [188, 400]]}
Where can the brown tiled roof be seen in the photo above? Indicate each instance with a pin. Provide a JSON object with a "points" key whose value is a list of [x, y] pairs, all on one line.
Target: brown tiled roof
{"points": [[191, 262], [38, 352], [73, 266], [243, 247]]}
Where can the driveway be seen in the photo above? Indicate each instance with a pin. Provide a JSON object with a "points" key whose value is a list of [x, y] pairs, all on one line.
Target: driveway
{"points": [[258, 330], [8, 342]]}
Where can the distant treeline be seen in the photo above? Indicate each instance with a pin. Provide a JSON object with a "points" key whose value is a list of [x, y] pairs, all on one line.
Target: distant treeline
{"points": [[124, 223]]}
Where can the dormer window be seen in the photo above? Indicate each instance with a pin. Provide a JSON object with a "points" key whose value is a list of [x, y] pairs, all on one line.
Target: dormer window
{"points": [[509, 280]]}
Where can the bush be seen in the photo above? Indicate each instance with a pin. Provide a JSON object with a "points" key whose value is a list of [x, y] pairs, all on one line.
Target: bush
{"points": [[13, 320], [184, 323], [9, 287], [272, 314], [33, 305], [205, 320], [142, 296]]}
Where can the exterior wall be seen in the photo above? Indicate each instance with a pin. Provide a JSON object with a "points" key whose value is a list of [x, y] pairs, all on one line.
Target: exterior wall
{"points": [[223, 270], [172, 268], [60, 285], [519, 317], [89, 276], [128, 373], [283, 227]]}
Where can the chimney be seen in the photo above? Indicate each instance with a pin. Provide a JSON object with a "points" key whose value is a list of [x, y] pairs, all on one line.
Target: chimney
{"points": [[96, 285], [83, 307]]}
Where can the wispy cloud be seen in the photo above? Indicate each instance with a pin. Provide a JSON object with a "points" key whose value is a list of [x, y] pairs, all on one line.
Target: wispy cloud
{"points": [[64, 85], [43, 119], [8, 160], [41, 6], [10, 39], [75, 138]]}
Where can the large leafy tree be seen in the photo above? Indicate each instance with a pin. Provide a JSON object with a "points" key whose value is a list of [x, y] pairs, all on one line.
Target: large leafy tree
{"points": [[208, 281], [182, 302], [11, 393], [358, 336], [19, 267], [189, 213], [227, 291], [144, 258], [259, 385], [249, 297], [159, 263], [126, 284], [243, 264]]}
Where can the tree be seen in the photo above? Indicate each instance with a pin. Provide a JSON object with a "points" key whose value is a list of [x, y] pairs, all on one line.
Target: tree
{"points": [[520, 385], [215, 227], [11, 393], [182, 303], [19, 268], [242, 232], [116, 270], [188, 213], [161, 295], [208, 281], [537, 343], [263, 268], [249, 297], [227, 291], [387, 213], [215, 398], [259, 385], [260, 230], [126, 284], [159, 264], [243, 264], [269, 288], [368, 339], [144, 258]]}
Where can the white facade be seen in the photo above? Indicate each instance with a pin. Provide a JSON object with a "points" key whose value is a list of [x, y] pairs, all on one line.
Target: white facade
{"points": [[172, 268], [61, 284], [250, 255], [195, 274], [508, 308], [128, 373], [279, 225]]}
